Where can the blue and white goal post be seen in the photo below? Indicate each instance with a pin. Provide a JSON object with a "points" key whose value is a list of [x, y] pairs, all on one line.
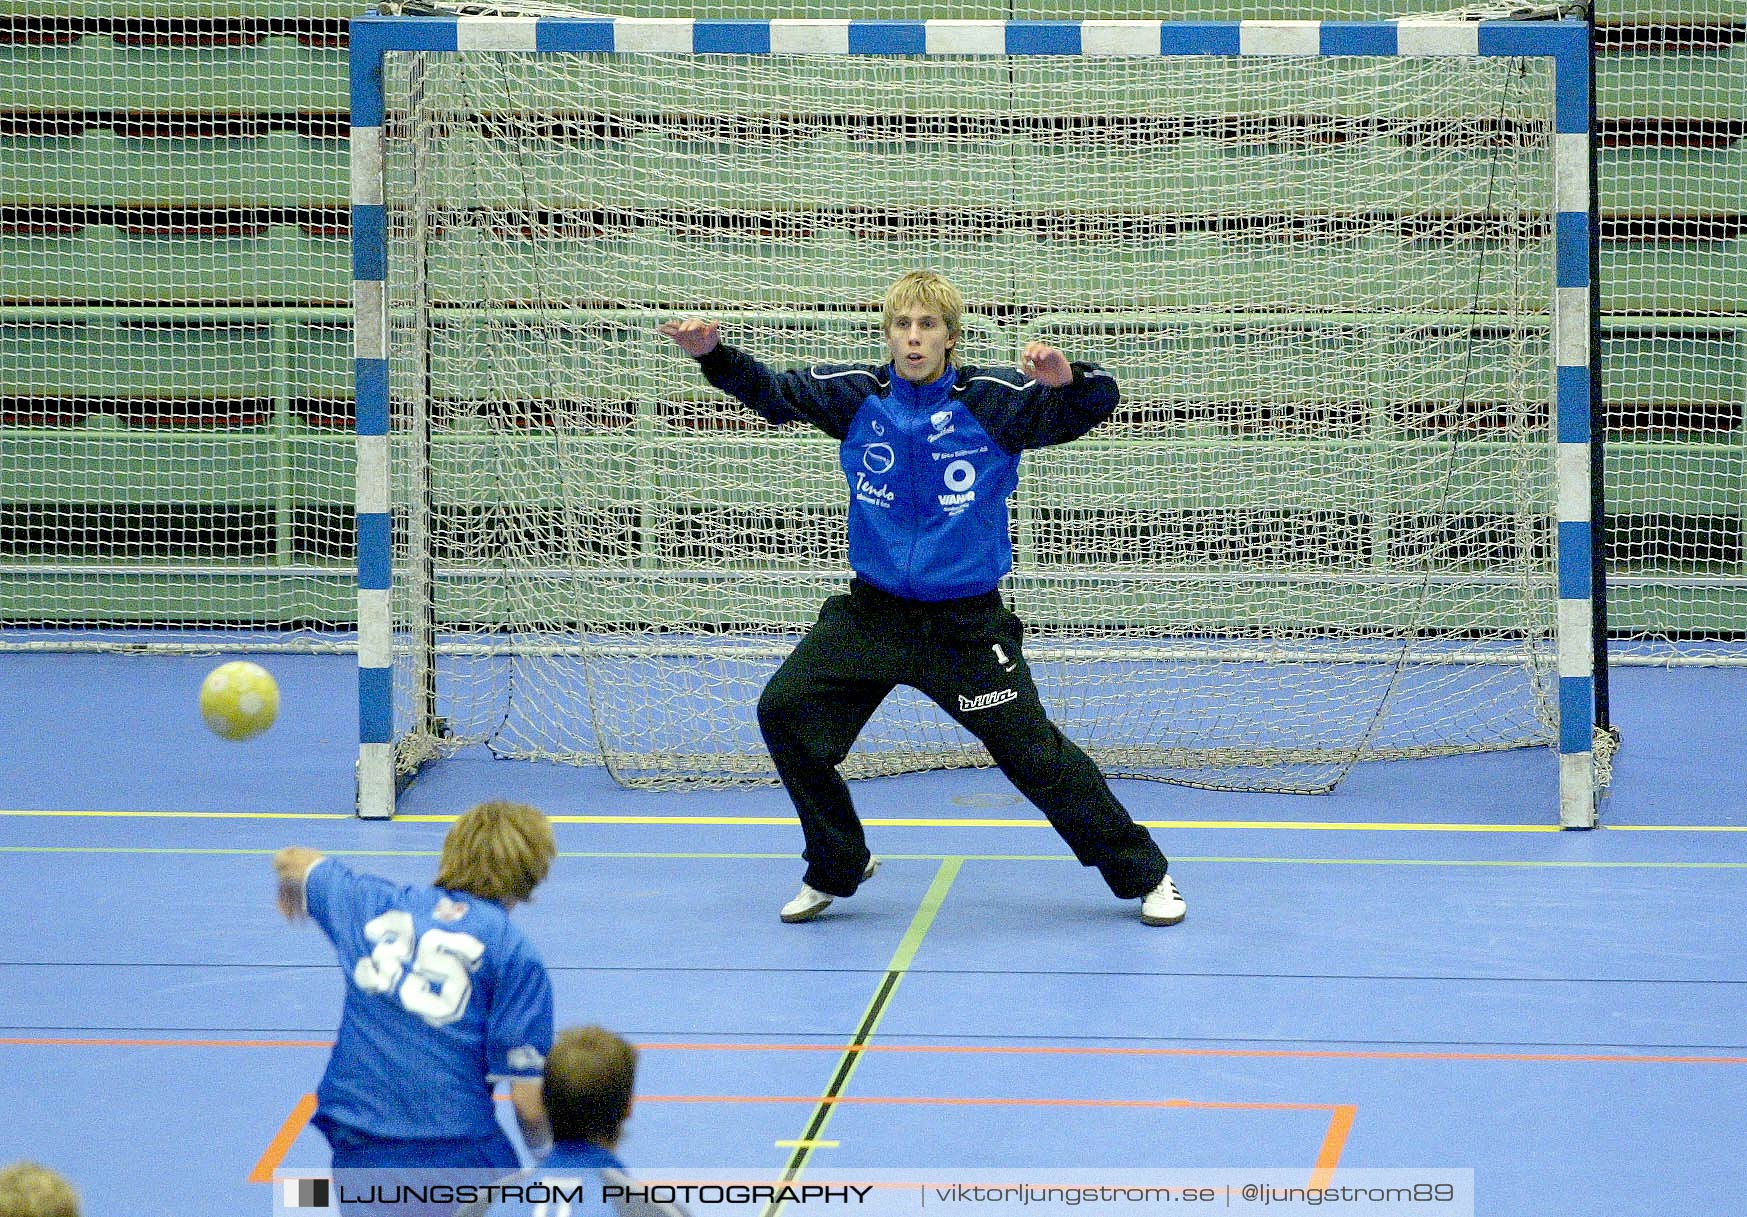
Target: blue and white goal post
{"points": [[396, 595]]}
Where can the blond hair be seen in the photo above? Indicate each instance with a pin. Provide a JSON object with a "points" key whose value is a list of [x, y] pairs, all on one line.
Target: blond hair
{"points": [[931, 290], [498, 851], [30, 1190], [590, 1076]]}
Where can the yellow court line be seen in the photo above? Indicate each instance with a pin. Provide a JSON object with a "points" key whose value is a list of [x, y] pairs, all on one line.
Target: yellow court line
{"points": [[901, 822], [969, 822], [721, 856], [185, 815], [1357, 826], [1677, 827]]}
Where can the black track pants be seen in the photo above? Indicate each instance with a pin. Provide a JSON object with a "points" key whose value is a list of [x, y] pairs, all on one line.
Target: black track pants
{"points": [[965, 656]]}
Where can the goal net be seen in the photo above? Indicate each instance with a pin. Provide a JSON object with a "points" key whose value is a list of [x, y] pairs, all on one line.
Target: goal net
{"points": [[1340, 516]]}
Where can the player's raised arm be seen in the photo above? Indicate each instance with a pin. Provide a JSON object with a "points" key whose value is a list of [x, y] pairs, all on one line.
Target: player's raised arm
{"points": [[292, 865], [1046, 365], [1060, 400], [694, 335], [798, 395]]}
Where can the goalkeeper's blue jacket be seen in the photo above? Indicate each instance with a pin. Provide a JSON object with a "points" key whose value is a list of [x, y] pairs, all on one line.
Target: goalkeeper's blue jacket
{"points": [[930, 466]]}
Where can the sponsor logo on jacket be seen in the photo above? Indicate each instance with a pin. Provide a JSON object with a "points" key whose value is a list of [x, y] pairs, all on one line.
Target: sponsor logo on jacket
{"points": [[867, 492], [959, 477]]}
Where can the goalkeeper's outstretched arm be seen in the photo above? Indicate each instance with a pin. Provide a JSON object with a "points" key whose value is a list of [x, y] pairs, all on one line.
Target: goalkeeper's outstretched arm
{"points": [[825, 396]]}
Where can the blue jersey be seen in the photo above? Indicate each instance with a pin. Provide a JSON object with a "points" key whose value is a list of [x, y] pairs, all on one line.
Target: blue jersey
{"points": [[931, 466], [444, 997]]}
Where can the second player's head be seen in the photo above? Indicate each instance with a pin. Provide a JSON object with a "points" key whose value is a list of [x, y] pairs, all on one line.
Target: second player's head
{"points": [[591, 1075], [498, 851]]}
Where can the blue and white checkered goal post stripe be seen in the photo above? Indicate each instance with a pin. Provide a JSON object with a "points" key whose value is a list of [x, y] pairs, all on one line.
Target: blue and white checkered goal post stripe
{"points": [[1565, 43]]}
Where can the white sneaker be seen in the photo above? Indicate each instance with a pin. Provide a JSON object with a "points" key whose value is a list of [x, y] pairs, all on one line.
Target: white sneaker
{"points": [[810, 902], [1163, 905]]}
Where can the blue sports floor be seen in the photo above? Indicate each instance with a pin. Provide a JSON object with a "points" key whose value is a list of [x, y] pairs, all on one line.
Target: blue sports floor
{"points": [[1417, 972]]}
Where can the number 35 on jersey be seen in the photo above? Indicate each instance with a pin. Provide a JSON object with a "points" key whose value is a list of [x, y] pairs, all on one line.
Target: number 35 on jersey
{"points": [[432, 978]]}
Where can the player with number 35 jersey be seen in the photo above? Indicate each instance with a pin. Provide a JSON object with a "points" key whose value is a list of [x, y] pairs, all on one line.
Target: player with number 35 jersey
{"points": [[444, 997]]}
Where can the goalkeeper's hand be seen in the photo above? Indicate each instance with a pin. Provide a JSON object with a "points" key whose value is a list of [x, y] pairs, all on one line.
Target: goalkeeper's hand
{"points": [[695, 336], [1046, 365]]}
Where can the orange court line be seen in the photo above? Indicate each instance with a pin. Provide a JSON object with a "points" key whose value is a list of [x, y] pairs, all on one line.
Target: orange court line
{"points": [[965, 1101], [1308, 1054], [1327, 1158], [282, 1140], [1328, 1154], [96, 1042], [1340, 1123], [1311, 1054]]}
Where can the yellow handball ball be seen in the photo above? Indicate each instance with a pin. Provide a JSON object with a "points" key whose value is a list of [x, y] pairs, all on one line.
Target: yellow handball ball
{"points": [[239, 700]]}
